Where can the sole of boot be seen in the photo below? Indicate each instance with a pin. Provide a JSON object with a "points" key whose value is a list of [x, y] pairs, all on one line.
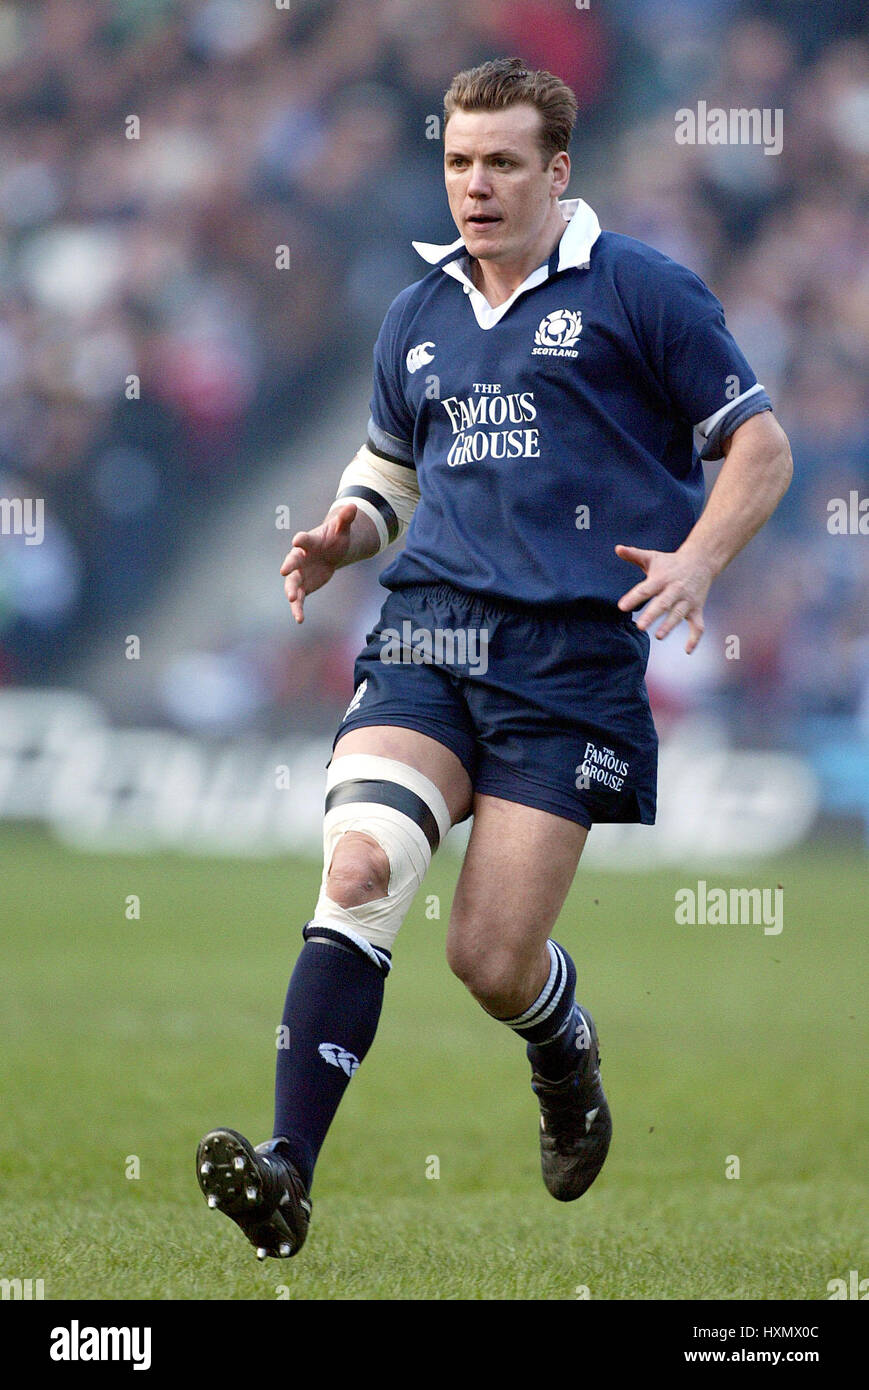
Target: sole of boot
{"points": [[229, 1178]]}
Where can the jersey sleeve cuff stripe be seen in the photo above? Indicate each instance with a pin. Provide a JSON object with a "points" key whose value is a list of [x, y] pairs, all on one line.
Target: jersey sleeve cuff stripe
{"points": [[387, 446], [731, 422], [711, 431], [706, 426]]}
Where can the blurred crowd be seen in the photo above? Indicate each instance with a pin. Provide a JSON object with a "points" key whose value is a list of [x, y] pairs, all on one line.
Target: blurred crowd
{"points": [[155, 155]]}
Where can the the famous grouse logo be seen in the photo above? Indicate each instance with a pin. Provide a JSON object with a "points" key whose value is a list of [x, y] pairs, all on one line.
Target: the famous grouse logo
{"points": [[557, 333]]}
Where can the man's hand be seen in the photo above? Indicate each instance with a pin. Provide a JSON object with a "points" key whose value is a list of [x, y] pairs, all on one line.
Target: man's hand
{"points": [[676, 582], [753, 479], [316, 555]]}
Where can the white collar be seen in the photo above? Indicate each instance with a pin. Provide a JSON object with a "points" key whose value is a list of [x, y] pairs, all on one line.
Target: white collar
{"points": [[574, 250]]}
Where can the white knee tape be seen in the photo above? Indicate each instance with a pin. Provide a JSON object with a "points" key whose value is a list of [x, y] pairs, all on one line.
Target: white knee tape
{"points": [[405, 813]]}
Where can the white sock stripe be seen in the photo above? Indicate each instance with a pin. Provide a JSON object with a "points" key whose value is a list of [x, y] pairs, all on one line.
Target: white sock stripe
{"points": [[549, 996], [546, 1006], [557, 996], [529, 1013]]}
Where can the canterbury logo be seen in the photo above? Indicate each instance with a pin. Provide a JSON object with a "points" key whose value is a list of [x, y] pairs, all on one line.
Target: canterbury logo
{"points": [[338, 1056], [357, 699], [560, 329], [419, 356]]}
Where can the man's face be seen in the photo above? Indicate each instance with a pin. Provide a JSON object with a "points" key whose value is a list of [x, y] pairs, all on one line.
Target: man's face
{"points": [[498, 188]]}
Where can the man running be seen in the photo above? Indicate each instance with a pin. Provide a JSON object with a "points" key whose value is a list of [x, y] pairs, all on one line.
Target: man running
{"points": [[543, 400]]}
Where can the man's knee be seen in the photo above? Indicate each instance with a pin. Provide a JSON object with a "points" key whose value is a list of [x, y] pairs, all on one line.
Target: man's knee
{"points": [[359, 871], [492, 974], [383, 822]]}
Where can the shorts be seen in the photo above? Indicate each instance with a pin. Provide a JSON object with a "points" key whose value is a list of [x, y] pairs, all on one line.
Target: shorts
{"points": [[545, 707]]}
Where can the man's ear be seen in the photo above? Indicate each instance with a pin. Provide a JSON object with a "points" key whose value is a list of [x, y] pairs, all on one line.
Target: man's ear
{"points": [[560, 170]]}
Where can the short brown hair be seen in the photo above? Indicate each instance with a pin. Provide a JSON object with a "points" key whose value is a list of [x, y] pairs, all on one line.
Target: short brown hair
{"points": [[504, 82]]}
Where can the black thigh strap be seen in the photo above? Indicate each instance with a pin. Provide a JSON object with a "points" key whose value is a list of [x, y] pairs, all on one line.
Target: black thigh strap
{"points": [[387, 794]]}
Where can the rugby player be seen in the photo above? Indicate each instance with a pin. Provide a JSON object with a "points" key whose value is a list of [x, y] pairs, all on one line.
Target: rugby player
{"points": [[544, 399]]}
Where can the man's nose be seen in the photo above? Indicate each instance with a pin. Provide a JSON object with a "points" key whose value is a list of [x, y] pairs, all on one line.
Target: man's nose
{"points": [[479, 185]]}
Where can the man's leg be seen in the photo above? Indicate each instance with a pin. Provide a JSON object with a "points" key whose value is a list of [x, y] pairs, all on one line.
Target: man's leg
{"points": [[335, 994], [519, 865], [393, 793]]}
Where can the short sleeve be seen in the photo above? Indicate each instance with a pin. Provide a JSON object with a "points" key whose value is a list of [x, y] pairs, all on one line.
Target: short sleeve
{"points": [[391, 426], [703, 372]]}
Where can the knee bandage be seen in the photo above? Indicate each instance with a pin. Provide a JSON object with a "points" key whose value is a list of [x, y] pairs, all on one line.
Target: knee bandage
{"points": [[405, 814]]}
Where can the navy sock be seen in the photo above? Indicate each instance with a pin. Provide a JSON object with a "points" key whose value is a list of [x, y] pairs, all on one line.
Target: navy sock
{"points": [[549, 1025], [561, 1055], [330, 1017]]}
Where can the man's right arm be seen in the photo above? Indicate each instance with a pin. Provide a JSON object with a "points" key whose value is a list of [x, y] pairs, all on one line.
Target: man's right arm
{"points": [[378, 490], [385, 490], [376, 500]]}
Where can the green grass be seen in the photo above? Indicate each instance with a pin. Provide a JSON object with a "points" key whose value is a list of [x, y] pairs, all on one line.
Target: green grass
{"points": [[125, 1037]]}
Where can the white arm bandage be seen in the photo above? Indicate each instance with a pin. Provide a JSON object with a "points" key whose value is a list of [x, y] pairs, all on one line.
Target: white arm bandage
{"points": [[386, 492]]}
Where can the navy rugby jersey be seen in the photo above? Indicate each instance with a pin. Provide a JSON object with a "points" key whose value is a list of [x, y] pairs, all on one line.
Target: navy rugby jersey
{"points": [[573, 417]]}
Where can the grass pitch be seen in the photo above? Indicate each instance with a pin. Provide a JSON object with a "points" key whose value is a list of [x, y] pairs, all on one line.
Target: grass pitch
{"points": [[125, 1039]]}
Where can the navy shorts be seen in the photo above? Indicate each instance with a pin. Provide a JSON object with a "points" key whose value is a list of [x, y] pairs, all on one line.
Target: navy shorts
{"points": [[544, 707]]}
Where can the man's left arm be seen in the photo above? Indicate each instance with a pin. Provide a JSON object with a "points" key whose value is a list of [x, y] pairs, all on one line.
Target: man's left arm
{"points": [[754, 477]]}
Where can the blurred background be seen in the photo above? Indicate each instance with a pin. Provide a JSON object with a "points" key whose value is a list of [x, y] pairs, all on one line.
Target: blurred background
{"points": [[182, 400], [206, 207]]}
